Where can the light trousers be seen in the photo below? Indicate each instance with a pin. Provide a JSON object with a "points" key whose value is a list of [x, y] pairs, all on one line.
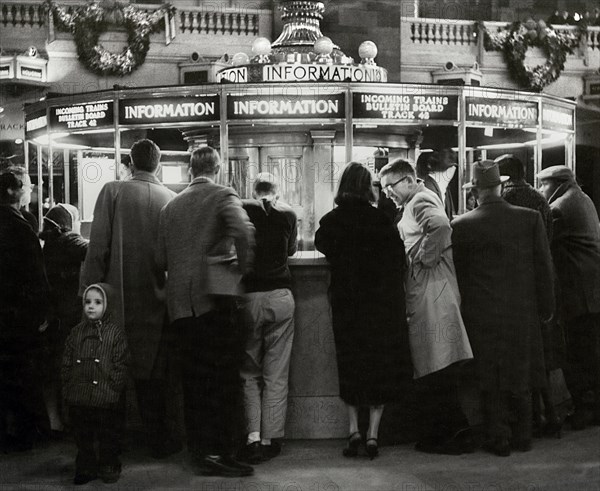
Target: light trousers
{"points": [[269, 319]]}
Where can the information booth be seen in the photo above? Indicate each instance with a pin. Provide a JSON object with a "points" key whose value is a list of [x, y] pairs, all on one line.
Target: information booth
{"points": [[301, 110], [304, 133]]}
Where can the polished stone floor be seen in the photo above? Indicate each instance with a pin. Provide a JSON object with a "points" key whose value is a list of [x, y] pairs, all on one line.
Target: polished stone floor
{"points": [[569, 464]]}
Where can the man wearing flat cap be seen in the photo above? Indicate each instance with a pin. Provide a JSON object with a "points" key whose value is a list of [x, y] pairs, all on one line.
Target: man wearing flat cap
{"points": [[576, 254], [504, 272]]}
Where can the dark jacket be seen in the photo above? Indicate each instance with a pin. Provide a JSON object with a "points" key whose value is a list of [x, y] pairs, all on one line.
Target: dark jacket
{"points": [[524, 195], [96, 359], [276, 239], [23, 283], [63, 255], [367, 300], [447, 199], [504, 272], [576, 249]]}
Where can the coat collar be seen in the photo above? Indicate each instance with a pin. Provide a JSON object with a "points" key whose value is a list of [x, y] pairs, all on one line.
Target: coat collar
{"points": [[493, 201], [142, 175], [16, 213], [562, 189], [201, 180]]}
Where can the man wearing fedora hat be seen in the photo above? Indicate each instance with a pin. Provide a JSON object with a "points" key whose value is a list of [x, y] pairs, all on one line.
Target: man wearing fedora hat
{"points": [[576, 254], [504, 273]]}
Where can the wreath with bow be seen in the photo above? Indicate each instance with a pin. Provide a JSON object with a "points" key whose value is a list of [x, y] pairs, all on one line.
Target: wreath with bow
{"points": [[88, 22], [519, 37]]}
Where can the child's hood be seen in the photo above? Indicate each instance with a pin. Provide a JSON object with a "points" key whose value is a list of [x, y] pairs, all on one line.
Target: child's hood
{"points": [[108, 294]]}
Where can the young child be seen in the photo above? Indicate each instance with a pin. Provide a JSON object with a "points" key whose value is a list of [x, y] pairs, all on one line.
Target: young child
{"points": [[94, 370]]}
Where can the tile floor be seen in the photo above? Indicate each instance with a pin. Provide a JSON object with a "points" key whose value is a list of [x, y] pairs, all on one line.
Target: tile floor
{"points": [[569, 464]]}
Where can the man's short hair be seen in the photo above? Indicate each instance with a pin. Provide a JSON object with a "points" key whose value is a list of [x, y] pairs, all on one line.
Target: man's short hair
{"points": [[428, 162], [12, 177], [204, 161], [145, 155], [265, 184], [398, 166], [511, 166]]}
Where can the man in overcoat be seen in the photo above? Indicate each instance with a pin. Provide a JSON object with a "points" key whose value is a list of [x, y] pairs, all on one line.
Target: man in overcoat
{"points": [[23, 307], [576, 254], [124, 231], [437, 336], [204, 222], [504, 272]]}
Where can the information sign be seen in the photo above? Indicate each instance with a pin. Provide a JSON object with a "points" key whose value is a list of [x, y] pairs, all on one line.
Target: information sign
{"points": [[92, 115], [405, 107]]}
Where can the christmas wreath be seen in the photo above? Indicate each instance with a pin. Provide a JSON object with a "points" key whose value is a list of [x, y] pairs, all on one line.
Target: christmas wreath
{"points": [[519, 37], [89, 21]]}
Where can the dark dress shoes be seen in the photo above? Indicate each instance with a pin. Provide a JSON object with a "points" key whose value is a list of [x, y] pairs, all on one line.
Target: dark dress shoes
{"points": [[84, 476], [223, 466], [500, 447], [166, 449], [251, 453], [270, 451], [109, 473]]}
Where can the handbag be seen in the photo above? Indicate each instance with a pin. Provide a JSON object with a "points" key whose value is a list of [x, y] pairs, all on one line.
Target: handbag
{"points": [[223, 276]]}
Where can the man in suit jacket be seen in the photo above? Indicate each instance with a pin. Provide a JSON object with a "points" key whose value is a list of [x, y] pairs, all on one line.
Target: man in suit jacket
{"points": [[121, 253], [504, 272], [437, 171], [206, 221], [576, 255]]}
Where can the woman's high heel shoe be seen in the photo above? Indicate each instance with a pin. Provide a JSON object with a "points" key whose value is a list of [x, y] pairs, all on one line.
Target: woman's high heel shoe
{"points": [[372, 448], [354, 441]]}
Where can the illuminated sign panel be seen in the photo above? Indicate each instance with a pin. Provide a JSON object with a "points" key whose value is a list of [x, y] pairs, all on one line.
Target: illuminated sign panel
{"points": [[285, 107], [92, 115], [5, 70], [558, 118], [500, 112], [32, 73], [36, 123], [303, 72], [401, 107], [169, 110]]}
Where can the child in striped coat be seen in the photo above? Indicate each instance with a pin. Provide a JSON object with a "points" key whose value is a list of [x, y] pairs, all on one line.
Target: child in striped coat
{"points": [[94, 371]]}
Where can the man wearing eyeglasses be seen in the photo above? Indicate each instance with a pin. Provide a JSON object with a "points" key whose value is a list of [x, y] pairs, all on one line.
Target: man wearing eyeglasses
{"points": [[438, 340]]}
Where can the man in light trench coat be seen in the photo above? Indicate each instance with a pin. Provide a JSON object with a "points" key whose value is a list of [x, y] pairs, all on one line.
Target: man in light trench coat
{"points": [[437, 336], [124, 231]]}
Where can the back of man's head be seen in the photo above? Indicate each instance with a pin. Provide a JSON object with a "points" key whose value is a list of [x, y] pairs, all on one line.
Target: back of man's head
{"points": [[265, 185], [145, 155], [398, 166], [511, 166], [204, 162]]}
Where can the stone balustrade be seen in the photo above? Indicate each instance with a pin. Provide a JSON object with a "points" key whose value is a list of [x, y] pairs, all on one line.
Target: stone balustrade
{"points": [[464, 33], [209, 20]]}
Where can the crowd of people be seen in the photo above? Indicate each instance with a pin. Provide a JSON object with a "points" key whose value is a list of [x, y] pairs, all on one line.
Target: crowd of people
{"points": [[563, 17], [508, 293]]}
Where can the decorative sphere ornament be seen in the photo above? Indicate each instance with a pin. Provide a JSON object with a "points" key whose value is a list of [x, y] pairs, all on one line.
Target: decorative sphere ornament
{"points": [[530, 24], [32, 51], [240, 59], [367, 52], [323, 46], [532, 34], [261, 47]]}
